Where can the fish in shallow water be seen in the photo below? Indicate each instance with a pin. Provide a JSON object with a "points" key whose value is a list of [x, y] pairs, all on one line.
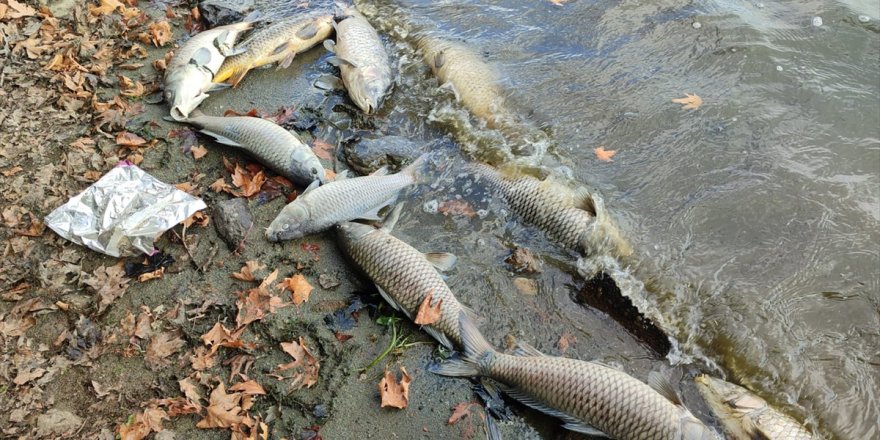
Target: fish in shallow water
{"points": [[570, 215], [362, 60], [404, 275], [271, 144], [319, 208], [744, 415], [589, 397], [278, 42], [190, 72]]}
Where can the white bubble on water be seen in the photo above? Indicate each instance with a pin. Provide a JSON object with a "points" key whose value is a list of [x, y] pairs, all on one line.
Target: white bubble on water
{"points": [[697, 25], [779, 68], [864, 18], [817, 21], [431, 206]]}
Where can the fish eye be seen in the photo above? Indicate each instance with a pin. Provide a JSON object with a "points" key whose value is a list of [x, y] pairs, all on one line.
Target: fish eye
{"points": [[314, 171]]}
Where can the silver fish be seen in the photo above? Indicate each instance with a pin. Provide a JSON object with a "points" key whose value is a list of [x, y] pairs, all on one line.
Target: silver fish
{"points": [[570, 215], [589, 397], [271, 144], [319, 208], [404, 276], [744, 415], [362, 60], [189, 74]]}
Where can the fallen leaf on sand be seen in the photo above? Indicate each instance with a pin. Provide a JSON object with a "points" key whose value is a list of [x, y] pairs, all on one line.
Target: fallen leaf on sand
{"points": [[160, 33], [305, 365], [106, 7], [158, 273], [300, 288], [199, 152], [160, 347], [190, 390], [128, 139], [134, 429], [220, 336], [460, 411], [249, 184], [220, 185], [603, 154], [428, 314], [691, 102], [323, 149], [18, 10], [256, 304], [249, 387], [395, 394], [223, 410], [109, 283], [247, 271]]}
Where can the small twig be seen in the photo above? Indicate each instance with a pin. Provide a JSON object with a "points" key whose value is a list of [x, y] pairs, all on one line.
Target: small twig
{"points": [[210, 258], [243, 240], [192, 259]]}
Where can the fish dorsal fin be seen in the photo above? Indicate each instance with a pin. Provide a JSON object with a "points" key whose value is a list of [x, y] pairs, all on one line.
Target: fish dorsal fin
{"points": [[443, 261], [380, 172], [308, 31], [219, 138], [661, 383], [524, 349], [330, 45], [201, 57], [328, 82], [311, 186]]}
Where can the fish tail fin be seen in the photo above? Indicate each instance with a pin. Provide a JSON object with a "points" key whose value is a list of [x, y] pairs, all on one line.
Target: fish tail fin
{"points": [[417, 168], [475, 348]]}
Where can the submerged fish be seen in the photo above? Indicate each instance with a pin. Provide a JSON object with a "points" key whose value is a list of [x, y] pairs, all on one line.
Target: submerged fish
{"points": [[404, 276], [279, 42], [319, 208], [744, 415], [189, 74], [589, 397], [271, 144], [571, 215], [362, 60]]}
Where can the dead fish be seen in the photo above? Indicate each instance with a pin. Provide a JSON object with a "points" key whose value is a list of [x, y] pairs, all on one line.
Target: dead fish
{"points": [[189, 74], [362, 60], [271, 144], [589, 397], [474, 82], [320, 207], [744, 415], [279, 42], [404, 275], [569, 214]]}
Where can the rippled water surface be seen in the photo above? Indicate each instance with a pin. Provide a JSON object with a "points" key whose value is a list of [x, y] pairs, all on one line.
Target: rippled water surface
{"points": [[755, 217]]}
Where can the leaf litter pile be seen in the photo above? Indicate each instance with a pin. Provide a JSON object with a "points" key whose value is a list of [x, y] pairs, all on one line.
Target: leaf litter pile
{"points": [[193, 338]]}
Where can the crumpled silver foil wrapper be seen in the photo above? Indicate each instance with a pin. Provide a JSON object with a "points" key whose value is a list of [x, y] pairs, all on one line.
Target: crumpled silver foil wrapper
{"points": [[123, 212]]}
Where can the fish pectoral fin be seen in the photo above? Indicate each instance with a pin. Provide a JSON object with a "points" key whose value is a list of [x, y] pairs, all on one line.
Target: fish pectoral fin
{"points": [[287, 61], [201, 57], [439, 336], [328, 82], [392, 218], [213, 87], [234, 51], [330, 45], [338, 61], [308, 31], [442, 261], [373, 214], [455, 366], [661, 383], [311, 186], [392, 302], [584, 429], [524, 349], [281, 48], [220, 138]]}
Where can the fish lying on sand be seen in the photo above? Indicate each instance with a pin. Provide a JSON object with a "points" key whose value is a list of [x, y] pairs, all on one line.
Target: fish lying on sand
{"points": [[271, 144], [362, 60], [404, 275], [744, 415], [278, 42], [571, 215], [189, 74], [589, 397], [344, 199]]}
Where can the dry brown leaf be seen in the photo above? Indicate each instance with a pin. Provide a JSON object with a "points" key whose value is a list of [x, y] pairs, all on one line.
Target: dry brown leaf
{"points": [[158, 273], [249, 387], [131, 88], [199, 218], [160, 33], [199, 152], [250, 185], [395, 394], [223, 410], [220, 336], [306, 367], [109, 283], [106, 7], [603, 154], [256, 304], [135, 429], [220, 185], [691, 102], [3, 9], [202, 359], [460, 411], [160, 347], [428, 314], [128, 139], [300, 288], [18, 10], [565, 341], [456, 207], [324, 150], [247, 271], [13, 171], [190, 390]]}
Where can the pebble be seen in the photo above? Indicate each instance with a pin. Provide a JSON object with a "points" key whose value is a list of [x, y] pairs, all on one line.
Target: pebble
{"points": [[697, 25], [233, 220], [220, 12], [817, 21]]}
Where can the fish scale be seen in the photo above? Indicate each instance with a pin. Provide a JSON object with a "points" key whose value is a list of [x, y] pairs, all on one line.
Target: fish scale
{"points": [[271, 144], [404, 273]]}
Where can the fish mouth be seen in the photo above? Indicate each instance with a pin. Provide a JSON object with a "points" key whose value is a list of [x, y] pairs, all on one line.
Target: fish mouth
{"points": [[178, 114]]}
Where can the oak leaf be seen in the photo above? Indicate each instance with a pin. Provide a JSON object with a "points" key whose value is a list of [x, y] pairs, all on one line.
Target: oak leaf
{"points": [[160, 33], [428, 314], [691, 102], [393, 393], [299, 287], [603, 154]]}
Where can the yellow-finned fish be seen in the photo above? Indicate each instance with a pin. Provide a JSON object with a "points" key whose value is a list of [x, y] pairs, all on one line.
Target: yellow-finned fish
{"points": [[279, 42]]}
